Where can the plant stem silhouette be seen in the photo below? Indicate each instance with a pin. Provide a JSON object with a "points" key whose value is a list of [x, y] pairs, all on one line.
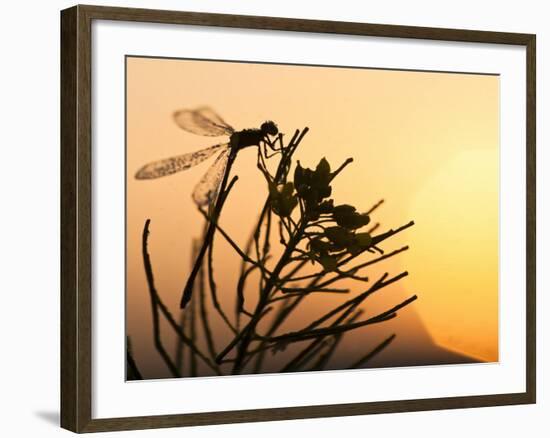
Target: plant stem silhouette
{"points": [[299, 225]]}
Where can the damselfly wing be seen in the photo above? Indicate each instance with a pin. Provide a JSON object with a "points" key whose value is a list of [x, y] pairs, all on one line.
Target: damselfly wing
{"points": [[202, 121], [206, 191]]}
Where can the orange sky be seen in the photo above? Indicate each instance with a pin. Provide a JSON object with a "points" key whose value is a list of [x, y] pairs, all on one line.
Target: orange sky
{"points": [[425, 142]]}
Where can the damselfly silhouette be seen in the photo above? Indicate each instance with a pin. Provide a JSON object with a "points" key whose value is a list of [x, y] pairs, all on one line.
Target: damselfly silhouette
{"points": [[204, 121]]}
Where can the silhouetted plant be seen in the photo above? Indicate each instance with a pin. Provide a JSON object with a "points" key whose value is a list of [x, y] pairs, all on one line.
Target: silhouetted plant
{"points": [[313, 229]]}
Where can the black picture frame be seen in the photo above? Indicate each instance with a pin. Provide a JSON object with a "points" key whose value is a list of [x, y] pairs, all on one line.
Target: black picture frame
{"points": [[76, 217]]}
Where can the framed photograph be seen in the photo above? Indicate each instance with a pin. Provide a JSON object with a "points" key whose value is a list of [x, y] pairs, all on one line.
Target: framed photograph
{"points": [[271, 218]]}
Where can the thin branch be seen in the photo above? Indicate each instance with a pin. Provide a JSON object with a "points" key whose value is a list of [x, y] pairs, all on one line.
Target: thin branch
{"points": [[363, 360], [379, 259], [155, 311], [377, 239], [375, 206], [325, 331], [213, 287], [364, 265], [204, 315], [288, 295], [342, 166], [240, 289], [326, 357], [193, 332], [132, 370], [278, 319], [315, 349], [288, 290], [158, 341], [267, 235], [381, 237], [373, 228], [354, 302], [233, 244], [179, 355], [155, 298], [244, 269]]}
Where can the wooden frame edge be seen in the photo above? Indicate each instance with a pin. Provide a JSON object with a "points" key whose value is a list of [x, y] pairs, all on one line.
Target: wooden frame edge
{"points": [[531, 217], [301, 413], [69, 321], [75, 346], [76, 226]]}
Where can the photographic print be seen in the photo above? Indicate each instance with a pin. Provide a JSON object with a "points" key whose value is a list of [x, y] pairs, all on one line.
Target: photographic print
{"points": [[307, 218], [299, 218]]}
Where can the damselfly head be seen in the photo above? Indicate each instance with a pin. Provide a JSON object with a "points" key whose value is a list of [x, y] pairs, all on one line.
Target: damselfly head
{"points": [[269, 128]]}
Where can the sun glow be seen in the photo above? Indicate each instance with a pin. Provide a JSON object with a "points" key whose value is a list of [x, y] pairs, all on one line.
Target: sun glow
{"points": [[455, 243]]}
